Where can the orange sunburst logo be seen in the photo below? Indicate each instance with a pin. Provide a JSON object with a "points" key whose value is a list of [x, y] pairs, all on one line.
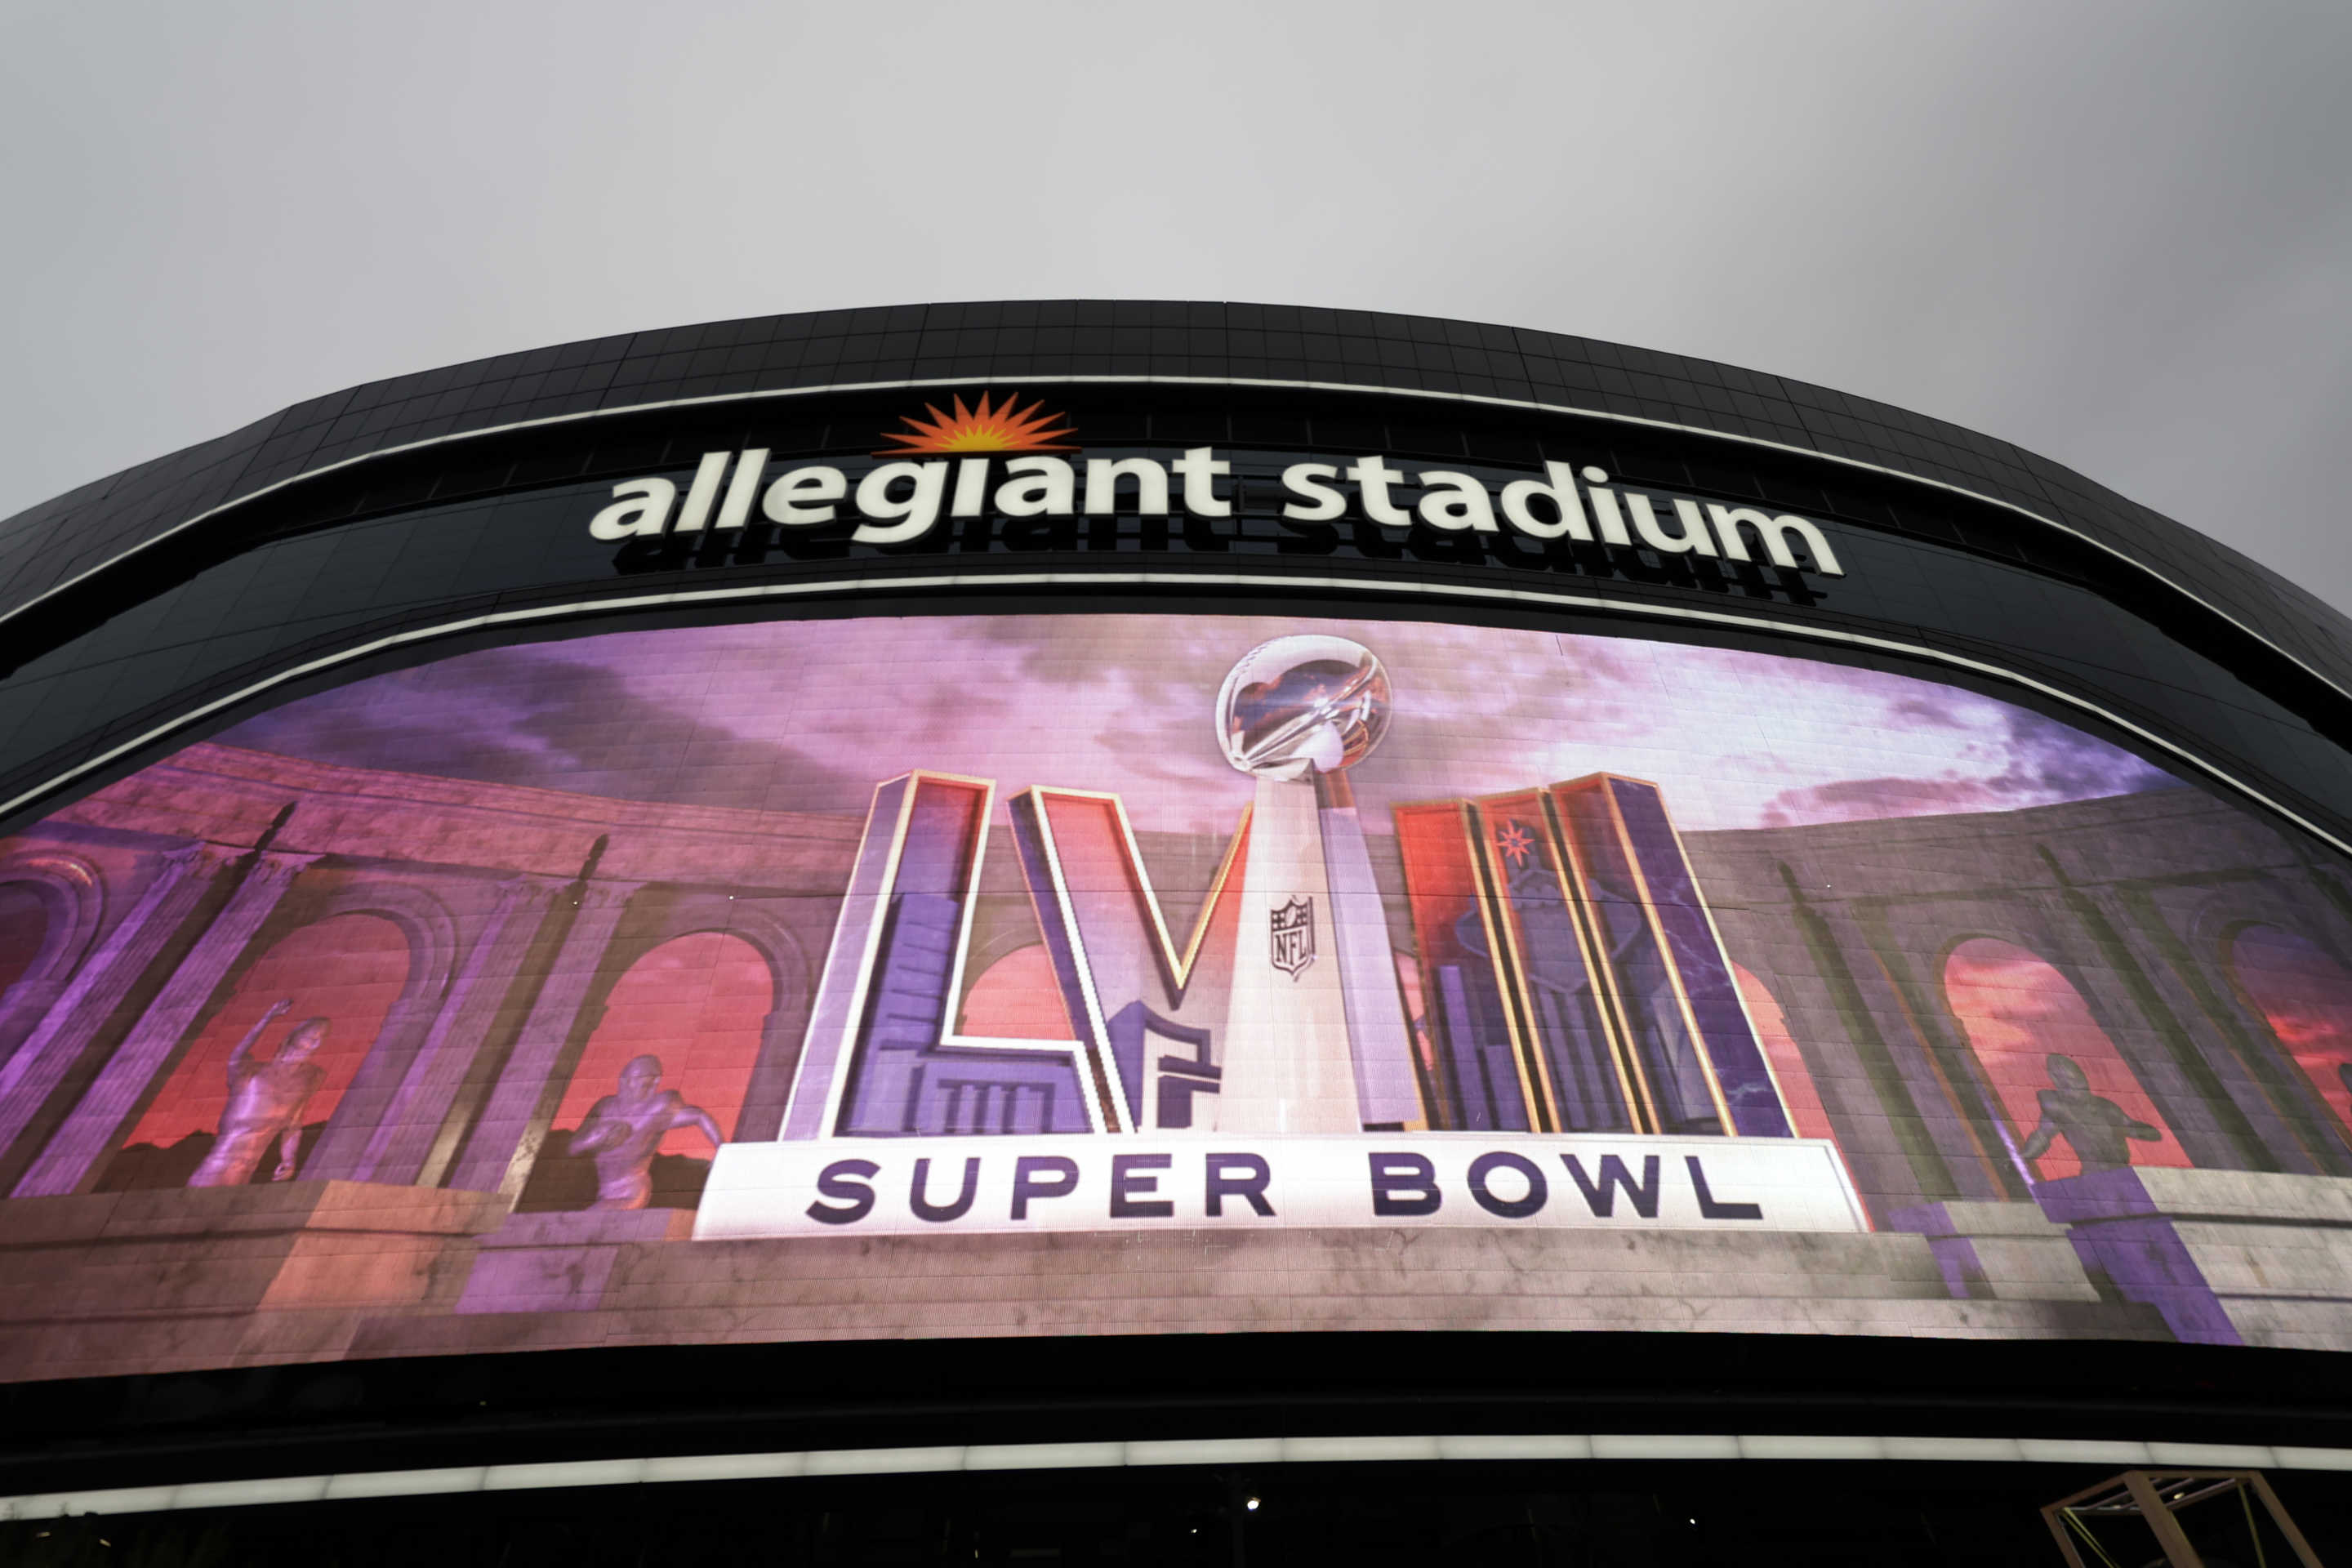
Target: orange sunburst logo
{"points": [[1001, 427]]}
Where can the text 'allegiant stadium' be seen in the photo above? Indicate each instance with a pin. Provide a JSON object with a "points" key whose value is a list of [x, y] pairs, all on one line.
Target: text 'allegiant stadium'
{"points": [[900, 503]]}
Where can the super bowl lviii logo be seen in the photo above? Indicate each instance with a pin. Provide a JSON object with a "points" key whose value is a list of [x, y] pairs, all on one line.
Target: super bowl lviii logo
{"points": [[1523, 1014]]}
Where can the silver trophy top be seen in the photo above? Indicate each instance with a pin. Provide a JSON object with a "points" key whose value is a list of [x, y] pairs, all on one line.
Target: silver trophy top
{"points": [[1302, 705]]}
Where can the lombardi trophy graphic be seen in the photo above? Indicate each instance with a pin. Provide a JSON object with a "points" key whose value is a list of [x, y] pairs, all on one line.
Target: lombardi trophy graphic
{"points": [[1317, 1039]]}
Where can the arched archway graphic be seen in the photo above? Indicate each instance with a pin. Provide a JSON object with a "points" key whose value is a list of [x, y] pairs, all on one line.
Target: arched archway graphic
{"points": [[350, 969], [50, 906], [699, 1002], [2305, 997], [2018, 1011]]}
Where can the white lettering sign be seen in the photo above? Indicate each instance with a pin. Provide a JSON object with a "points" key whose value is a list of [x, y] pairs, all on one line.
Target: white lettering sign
{"points": [[899, 502], [930, 1186]]}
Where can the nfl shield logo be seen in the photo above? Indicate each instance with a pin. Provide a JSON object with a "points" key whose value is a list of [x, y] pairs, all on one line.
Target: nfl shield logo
{"points": [[1294, 936]]}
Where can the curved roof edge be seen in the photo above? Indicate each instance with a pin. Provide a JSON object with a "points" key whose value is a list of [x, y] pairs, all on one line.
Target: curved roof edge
{"points": [[76, 535]]}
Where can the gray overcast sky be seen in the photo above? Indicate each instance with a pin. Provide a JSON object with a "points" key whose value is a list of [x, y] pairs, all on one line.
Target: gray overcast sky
{"points": [[2117, 233]]}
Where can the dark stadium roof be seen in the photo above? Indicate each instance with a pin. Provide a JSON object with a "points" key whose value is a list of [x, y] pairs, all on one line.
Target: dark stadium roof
{"points": [[88, 529]]}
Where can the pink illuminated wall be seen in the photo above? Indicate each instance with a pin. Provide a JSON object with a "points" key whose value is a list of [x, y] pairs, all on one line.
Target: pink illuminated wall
{"points": [[349, 970], [698, 1003], [664, 841], [2306, 997], [2018, 1009]]}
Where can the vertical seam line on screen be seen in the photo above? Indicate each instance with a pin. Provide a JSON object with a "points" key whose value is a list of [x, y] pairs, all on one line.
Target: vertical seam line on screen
{"points": [[1479, 399], [1098, 579]]}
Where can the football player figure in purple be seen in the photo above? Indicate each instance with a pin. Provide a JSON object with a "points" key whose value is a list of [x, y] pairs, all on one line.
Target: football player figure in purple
{"points": [[2095, 1127], [625, 1129], [265, 1103]]}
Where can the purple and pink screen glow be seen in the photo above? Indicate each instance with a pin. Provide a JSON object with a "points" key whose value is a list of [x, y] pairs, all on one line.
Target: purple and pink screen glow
{"points": [[697, 1003], [2305, 996], [348, 970], [1959, 949], [807, 716], [2017, 1008]]}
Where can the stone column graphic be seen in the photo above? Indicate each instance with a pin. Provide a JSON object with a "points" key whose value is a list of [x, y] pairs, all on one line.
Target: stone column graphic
{"points": [[388, 1142], [33, 1073], [2204, 1094], [1958, 1146], [72, 1157], [497, 1156], [65, 940]]}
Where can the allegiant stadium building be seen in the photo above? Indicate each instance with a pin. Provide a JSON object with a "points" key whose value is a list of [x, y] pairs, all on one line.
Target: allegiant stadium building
{"points": [[1156, 932]]}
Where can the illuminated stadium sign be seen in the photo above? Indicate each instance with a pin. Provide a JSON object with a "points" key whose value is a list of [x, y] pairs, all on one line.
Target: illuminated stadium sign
{"points": [[975, 461]]}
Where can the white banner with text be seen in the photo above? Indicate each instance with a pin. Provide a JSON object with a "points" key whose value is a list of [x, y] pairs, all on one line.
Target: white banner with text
{"points": [[914, 1186]]}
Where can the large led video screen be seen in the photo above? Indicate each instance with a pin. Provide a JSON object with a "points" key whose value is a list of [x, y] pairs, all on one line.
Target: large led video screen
{"points": [[1088, 974]]}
